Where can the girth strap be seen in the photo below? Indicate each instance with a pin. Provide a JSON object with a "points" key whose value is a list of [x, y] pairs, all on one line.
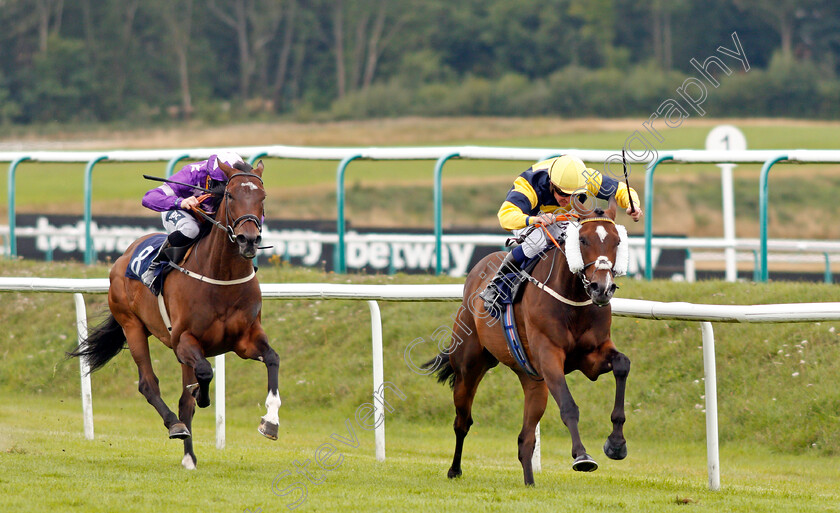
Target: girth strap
{"points": [[163, 314], [553, 293]]}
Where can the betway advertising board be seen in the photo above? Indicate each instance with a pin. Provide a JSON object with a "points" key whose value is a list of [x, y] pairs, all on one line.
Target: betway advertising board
{"points": [[300, 242]]}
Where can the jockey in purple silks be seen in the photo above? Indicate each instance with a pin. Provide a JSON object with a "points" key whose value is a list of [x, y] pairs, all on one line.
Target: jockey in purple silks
{"points": [[174, 202]]}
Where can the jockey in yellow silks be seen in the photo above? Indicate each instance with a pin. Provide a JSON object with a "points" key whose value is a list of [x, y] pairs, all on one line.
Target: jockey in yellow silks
{"points": [[543, 194]]}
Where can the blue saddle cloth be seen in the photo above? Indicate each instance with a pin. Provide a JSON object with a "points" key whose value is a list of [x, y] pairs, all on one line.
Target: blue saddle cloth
{"points": [[142, 258]]}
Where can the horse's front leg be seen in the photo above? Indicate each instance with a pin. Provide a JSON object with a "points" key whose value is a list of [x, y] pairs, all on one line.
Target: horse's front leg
{"points": [[186, 410], [256, 348], [555, 378], [190, 353], [616, 446], [270, 422]]}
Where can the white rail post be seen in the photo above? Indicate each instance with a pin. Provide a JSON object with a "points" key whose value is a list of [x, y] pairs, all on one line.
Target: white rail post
{"points": [[84, 369], [378, 378], [724, 139], [712, 452], [220, 401], [536, 460], [729, 220]]}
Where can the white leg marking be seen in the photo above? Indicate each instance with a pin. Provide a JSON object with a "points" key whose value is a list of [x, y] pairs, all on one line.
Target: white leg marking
{"points": [[272, 404], [602, 233], [188, 462]]}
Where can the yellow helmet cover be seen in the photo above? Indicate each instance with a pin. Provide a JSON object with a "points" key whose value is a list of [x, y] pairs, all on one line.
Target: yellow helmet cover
{"points": [[567, 173]]}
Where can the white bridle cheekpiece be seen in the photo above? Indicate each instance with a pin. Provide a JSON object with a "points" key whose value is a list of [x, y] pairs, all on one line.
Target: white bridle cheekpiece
{"points": [[575, 258]]}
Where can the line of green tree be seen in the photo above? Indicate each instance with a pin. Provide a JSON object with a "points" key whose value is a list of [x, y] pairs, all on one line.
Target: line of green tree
{"points": [[157, 60]]}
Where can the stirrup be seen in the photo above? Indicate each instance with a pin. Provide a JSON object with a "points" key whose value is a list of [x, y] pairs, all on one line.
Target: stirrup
{"points": [[148, 278], [149, 274], [490, 292]]}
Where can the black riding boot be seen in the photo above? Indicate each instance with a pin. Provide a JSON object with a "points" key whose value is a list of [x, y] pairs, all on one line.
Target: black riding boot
{"points": [[149, 275], [490, 295], [173, 248]]}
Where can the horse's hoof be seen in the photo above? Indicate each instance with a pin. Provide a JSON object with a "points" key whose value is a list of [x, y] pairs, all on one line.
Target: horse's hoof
{"points": [[584, 463], [615, 452], [188, 462], [453, 473], [268, 429], [179, 431]]}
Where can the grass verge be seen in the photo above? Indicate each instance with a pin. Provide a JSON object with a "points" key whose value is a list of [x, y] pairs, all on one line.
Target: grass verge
{"points": [[131, 466]]}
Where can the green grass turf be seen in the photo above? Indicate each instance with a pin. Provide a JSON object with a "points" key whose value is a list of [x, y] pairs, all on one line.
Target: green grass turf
{"points": [[131, 466], [776, 383], [777, 396]]}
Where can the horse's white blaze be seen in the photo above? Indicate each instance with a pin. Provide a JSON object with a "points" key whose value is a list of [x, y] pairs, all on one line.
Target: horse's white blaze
{"points": [[602, 232], [188, 462], [272, 404], [253, 187], [603, 262], [608, 282]]}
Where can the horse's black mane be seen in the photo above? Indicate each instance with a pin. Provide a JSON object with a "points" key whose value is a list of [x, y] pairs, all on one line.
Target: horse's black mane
{"points": [[243, 166], [217, 198], [220, 186]]}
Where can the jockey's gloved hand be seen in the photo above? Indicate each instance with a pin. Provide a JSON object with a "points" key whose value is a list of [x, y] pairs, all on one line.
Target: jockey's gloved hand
{"points": [[189, 202], [636, 213]]}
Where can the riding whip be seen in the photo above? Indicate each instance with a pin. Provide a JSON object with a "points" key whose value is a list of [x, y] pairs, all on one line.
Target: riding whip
{"points": [[627, 181], [167, 180]]}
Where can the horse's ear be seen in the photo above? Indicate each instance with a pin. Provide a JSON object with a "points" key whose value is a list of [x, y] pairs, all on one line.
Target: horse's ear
{"points": [[225, 167], [612, 208], [259, 169]]}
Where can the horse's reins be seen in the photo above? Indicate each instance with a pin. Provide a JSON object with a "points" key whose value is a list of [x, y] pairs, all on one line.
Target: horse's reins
{"points": [[580, 274], [228, 231], [227, 228]]}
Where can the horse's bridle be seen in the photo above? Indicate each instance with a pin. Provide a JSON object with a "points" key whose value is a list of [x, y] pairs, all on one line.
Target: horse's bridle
{"points": [[581, 274], [229, 227]]}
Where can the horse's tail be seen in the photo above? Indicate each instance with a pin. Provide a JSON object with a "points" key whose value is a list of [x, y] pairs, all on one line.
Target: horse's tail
{"points": [[442, 368], [101, 344]]}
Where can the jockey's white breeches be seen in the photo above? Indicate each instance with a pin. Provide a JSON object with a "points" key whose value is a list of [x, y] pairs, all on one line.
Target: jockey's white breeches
{"points": [[180, 221], [536, 241]]}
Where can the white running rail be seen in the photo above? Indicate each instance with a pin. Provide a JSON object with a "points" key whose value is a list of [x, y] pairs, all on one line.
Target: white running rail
{"points": [[705, 314]]}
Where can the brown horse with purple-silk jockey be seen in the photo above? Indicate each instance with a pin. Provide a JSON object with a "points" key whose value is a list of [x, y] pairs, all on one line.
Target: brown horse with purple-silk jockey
{"points": [[214, 306], [564, 325]]}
